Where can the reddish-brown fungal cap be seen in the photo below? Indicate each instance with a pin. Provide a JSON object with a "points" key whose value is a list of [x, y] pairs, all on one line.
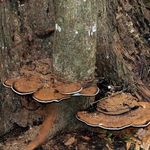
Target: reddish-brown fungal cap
{"points": [[24, 86], [139, 117], [48, 94], [69, 88], [8, 83], [117, 103], [88, 91]]}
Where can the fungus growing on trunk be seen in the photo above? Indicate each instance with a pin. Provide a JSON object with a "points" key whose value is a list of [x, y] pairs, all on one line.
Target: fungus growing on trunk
{"points": [[117, 103], [46, 87], [88, 91], [47, 95], [29, 85], [8, 83], [115, 113], [69, 88], [37, 78]]}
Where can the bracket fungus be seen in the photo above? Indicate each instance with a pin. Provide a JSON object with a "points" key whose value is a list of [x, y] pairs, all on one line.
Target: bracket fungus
{"points": [[26, 85], [117, 103], [36, 78], [117, 112], [69, 88], [8, 83], [88, 91], [47, 95]]}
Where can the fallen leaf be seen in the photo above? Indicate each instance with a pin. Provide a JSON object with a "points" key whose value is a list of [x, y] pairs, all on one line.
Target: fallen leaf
{"points": [[70, 141]]}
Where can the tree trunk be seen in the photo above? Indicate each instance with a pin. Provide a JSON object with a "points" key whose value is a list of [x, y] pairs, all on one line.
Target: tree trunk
{"points": [[23, 39], [123, 53], [75, 39], [74, 49], [73, 59]]}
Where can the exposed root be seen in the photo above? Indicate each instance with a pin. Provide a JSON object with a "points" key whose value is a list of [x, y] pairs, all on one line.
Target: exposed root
{"points": [[46, 127]]}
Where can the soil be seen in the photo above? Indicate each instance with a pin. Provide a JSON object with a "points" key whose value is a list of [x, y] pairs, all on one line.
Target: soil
{"points": [[77, 140]]}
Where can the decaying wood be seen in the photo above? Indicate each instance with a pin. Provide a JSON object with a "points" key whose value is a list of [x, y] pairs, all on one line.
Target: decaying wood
{"points": [[123, 55]]}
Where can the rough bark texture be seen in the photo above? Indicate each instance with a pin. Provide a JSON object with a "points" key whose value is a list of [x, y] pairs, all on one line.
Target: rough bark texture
{"points": [[74, 54], [24, 37], [123, 55], [75, 39]]}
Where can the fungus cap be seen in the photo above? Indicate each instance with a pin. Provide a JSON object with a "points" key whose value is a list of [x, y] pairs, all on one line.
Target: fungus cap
{"points": [[9, 82], [117, 103], [24, 86], [69, 88], [88, 91], [48, 94], [139, 117]]}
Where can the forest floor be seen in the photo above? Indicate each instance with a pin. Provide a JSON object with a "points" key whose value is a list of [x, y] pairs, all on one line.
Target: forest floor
{"points": [[85, 139]]}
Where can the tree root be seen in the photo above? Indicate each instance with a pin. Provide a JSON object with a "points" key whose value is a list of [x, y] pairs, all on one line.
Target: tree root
{"points": [[60, 117], [46, 127]]}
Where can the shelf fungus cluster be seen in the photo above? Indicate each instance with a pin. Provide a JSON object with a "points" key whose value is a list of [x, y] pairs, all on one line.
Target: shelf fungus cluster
{"points": [[36, 78], [118, 111]]}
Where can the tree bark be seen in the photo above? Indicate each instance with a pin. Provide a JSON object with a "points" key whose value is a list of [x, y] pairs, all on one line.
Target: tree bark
{"points": [[123, 51], [74, 48], [75, 39], [73, 59], [23, 39]]}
